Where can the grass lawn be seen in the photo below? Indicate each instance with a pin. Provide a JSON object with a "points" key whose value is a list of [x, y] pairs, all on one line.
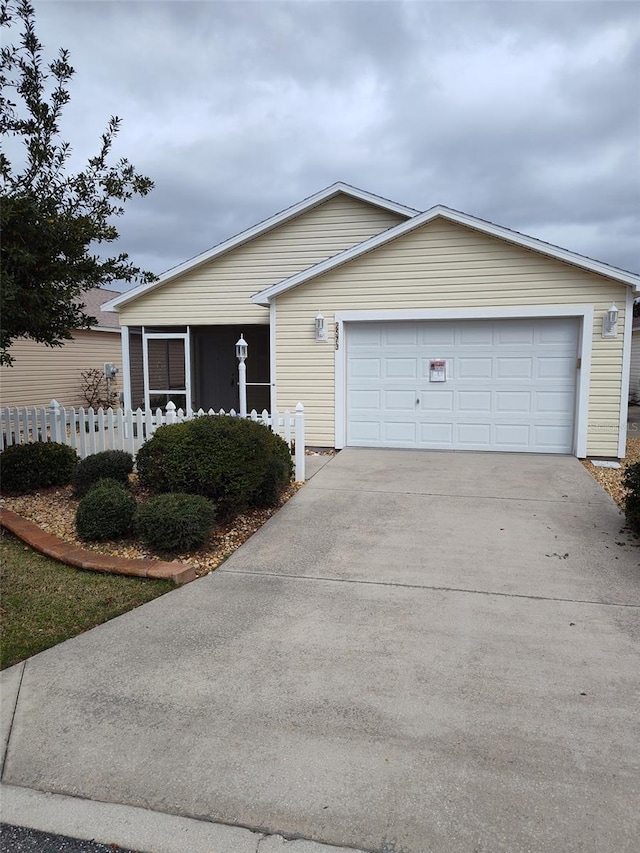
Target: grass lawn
{"points": [[43, 602]]}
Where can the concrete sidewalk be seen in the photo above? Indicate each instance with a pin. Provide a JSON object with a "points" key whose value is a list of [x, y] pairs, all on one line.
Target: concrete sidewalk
{"points": [[421, 651]]}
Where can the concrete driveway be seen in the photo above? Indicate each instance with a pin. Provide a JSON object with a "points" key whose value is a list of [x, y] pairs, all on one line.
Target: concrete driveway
{"points": [[420, 652]]}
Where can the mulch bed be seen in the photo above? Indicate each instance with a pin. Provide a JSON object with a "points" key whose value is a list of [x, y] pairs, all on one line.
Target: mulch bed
{"points": [[54, 510], [611, 478]]}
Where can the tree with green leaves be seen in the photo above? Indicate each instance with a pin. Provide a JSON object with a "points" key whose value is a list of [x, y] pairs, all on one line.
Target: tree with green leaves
{"points": [[52, 222]]}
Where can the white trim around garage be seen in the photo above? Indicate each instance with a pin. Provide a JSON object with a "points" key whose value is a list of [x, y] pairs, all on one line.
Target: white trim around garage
{"points": [[582, 312], [626, 373], [273, 399]]}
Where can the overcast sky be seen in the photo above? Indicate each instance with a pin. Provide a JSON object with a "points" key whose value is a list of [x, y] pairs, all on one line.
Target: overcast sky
{"points": [[523, 113]]}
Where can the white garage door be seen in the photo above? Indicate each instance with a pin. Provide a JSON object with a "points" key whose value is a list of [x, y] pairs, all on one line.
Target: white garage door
{"points": [[463, 385]]}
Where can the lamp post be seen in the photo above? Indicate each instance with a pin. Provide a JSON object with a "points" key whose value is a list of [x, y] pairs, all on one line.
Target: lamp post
{"points": [[241, 355]]}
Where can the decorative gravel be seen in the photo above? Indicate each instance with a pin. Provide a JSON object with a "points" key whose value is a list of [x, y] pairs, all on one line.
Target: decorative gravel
{"points": [[611, 478], [54, 510]]}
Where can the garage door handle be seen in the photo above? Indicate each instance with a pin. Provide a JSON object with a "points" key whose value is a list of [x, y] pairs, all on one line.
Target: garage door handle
{"points": [[417, 402]]}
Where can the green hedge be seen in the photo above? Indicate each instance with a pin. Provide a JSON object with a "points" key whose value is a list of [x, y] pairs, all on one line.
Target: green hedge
{"points": [[106, 465], [26, 468], [175, 523], [234, 462], [105, 512]]}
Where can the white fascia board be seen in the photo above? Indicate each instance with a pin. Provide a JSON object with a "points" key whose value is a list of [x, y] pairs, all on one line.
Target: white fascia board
{"points": [[115, 329], [485, 312], [255, 231], [264, 297]]}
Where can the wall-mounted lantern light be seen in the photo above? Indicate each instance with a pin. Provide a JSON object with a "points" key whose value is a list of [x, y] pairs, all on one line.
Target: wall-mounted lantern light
{"points": [[610, 323], [241, 354], [321, 328]]}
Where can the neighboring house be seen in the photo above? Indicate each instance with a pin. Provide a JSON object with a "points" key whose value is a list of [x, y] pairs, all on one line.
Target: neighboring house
{"points": [[634, 372], [436, 330], [41, 373]]}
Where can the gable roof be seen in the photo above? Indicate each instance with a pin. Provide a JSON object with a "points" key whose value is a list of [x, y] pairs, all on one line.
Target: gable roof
{"points": [[93, 300], [256, 230], [264, 297]]}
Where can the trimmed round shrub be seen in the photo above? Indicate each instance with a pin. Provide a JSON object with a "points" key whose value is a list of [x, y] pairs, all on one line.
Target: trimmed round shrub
{"points": [[278, 474], [28, 467], [631, 481], [105, 512], [234, 462], [175, 523], [106, 465]]}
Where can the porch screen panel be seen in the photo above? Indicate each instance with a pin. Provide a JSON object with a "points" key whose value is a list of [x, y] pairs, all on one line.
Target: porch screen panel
{"points": [[137, 370], [166, 364]]}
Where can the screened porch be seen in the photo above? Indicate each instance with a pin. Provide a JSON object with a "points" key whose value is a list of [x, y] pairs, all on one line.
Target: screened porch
{"points": [[195, 367]]}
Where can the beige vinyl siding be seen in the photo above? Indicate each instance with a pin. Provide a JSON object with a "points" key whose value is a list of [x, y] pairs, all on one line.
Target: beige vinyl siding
{"points": [[634, 373], [42, 373], [441, 265], [219, 292]]}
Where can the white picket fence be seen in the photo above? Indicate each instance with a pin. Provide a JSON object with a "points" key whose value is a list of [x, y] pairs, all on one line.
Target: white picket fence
{"points": [[91, 431]]}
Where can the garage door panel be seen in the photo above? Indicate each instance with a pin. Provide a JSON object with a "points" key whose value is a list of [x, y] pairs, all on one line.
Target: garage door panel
{"points": [[474, 401], [557, 402], [367, 398], [438, 334], [400, 368], [513, 436], [553, 437], [436, 401], [472, 333], [477, 434], [475, 368], [510, 384], [436, 435], [399, 400], [365, 335], [507, 402], [514, 368], [402, 335], [510, 332], [557, 332], [400, 432], [363, 432], [369, 368], [556, 367]]}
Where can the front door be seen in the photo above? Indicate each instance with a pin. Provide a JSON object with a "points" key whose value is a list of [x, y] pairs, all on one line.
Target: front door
{"points": [[217, 368]]}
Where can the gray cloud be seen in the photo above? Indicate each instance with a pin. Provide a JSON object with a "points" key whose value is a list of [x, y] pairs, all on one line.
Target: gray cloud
{"points": [[523, 113]]}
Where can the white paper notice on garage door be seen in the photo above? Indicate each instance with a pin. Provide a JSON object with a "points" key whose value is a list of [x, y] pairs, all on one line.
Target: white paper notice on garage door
{"points": [[509, 384]]}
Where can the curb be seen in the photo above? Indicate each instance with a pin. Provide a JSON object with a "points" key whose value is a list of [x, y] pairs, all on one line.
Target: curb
{"points": [[71, 555]]}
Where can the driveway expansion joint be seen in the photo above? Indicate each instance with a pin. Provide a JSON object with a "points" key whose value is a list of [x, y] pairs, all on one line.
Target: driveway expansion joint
{"points": [[562, 501], [81, 558], [432, 588], [5, 746]]}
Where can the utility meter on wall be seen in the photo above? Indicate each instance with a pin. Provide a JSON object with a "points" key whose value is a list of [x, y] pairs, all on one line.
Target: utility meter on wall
{"points": [[110, 370]]}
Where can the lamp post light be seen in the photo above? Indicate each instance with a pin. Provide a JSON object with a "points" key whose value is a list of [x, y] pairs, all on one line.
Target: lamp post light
{"points": [[241, 354]]}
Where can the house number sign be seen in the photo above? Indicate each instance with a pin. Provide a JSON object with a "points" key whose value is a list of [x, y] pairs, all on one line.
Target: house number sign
{"points": [[437, 371]]}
